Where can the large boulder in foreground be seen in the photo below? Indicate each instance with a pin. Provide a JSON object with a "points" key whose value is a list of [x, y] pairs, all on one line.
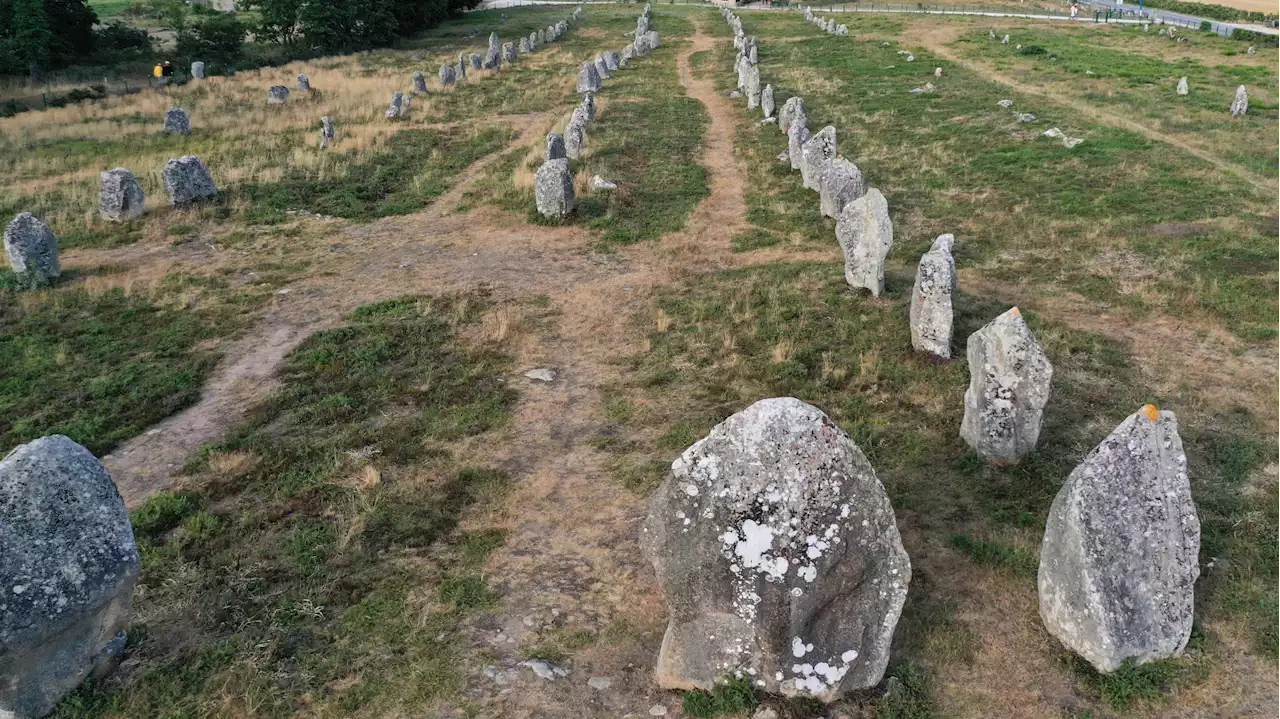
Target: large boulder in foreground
{"points": [[778, 552], [32, 250], [1121, 548], [67, 572], [1009, 377]]}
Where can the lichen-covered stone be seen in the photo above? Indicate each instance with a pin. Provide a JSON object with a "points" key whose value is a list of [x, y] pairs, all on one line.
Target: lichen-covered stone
{"points": [[524, 46], [32, 250], [448, 75], [1121, 548], [766, 101], [841, 184], [555, 146], [197, 70], [177, 121], [304, 83], [277, 95], [751, 85], [187, 180], [120, 195], [777, 549], [642, 45], [931, 314], [797, 135], [509, 53], [553, 188], [588, 78], [575, 138], [420, 82], [493, 53], [397, 105], [628, 54], [1240, 105], [589, 106], [1009, 377], [326, 131], [865, 234], [815, 154], [68, 571], [612, 61], [654, 39], [477, 62], [792, 110], [601, 69], [533, 41]]}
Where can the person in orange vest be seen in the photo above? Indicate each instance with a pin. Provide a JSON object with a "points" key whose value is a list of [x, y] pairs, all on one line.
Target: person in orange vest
{"points": [[158, 73]]}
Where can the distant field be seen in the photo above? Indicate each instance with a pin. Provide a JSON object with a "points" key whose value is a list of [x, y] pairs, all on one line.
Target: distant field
{"points": [[108, 9]]}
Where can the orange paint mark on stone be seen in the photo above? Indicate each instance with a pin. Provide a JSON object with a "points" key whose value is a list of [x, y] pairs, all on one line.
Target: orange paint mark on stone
{"points": [[1015, 312], [1152, 413]]}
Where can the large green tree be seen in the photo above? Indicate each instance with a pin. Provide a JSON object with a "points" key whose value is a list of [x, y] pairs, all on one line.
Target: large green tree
{"points": [[36, 35]]}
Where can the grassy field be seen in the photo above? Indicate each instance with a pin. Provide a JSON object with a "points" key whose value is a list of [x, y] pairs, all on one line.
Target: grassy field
{"points": [[341, 551]]}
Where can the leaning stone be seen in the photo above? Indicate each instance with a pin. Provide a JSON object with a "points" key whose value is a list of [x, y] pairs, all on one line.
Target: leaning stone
{"points": [[1120, 557], [865, 233], [791, 109], [815, 155], [197, 70], [601, 69], [796, 137], [589, 106], [1009, 377], [326, 132], [553, 188], [70, 566], [509, 52], [931, 313], [588, 78], [304, 83], [766, 101], [177, 121], [277, 95], [448, 75], [1240, 105], [840, 184], [777, 549], [119, 195], [555, 146], [32, 250], [187, 180]]}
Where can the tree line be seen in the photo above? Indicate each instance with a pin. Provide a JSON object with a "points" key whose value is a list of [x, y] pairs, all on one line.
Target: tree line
{"points": [[41, 35]]}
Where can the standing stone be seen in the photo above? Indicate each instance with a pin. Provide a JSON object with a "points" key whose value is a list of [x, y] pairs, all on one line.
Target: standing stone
{"points": [[601, 69], [791, 109], [588, 78], [68, 571], [492, 54], [751, 88], [187, 180], [542, 37], [931, 313], [119, 195], [555, 146], [1240, 105], [448, 76], [32, 250], [1182, 86], [796, 137], [524, 46], [509, 52], [533, 41], [937, 72], [575, 138], [553, 188], [1005, 40], [326, 132], [777, 549], [589, 106], [277, 95], [611, 60], [177, 121], [197, 70], [840, 184], [304, 83], [653, 39], [628, 54], [1121, 548], [477, 62], [397, 108], [766, 101], [642, 25], [420, 82], [815, 155], [1009, 377], [642, 45], [865, 234]]}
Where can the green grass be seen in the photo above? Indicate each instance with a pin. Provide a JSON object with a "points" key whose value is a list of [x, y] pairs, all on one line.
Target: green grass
{"points": [[101, 368], [734, 697], [1000, 556], [416, 167], [1131, 684], [292, 584]]}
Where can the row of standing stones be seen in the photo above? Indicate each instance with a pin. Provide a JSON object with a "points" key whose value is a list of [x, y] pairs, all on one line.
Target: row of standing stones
{"points": [[32, 248], [498, 52], [68, 560], [553, 182], [776, 544]]}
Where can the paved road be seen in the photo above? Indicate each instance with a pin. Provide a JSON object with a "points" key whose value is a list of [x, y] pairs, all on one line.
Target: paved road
{"points": [[1222, 28]]}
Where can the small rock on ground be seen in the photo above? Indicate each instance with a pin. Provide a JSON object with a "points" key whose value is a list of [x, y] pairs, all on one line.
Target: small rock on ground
{"points": [[544, 669], [658, 710], [599, 183], [600, 683], [542, 374]]}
